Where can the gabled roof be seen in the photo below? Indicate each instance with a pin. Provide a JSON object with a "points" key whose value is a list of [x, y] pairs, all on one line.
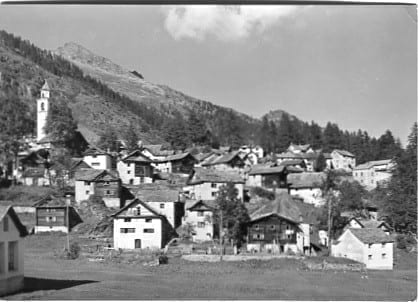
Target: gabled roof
{"points": [[263, 169], [201, 175], [8, 210], [135, 202], [371, 164], [369, 223], [95, 174], [45, 86], [137, 156], [51, 201], [158, 193], [289, 155], [285, 207], [201, 156], [371, 235], [34, 172], [344, 153], [302, 148], [221, 159], [192, 205], [79, 163], [306, 180], [95, 151], [175, 157]]}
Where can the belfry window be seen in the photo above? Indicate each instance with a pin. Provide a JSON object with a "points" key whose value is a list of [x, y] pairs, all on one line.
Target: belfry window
{"points": [[42, 106]]}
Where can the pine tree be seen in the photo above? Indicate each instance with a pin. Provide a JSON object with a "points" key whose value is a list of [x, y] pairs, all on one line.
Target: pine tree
{"points": [[109, 140], [131, 139]]}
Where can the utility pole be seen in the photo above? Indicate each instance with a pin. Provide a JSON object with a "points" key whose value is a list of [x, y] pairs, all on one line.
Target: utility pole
{"points": [[221, 236], [329, 196], [67, 203]]}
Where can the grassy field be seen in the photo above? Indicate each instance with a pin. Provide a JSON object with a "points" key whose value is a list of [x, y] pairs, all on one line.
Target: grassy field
{"points": [[51, 278]]}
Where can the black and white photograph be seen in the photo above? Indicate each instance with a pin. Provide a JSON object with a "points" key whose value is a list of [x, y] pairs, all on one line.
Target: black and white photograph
{"points": [[231, 151]]}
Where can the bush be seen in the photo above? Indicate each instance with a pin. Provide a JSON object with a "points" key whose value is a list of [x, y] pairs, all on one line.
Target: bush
{"points": [[404, 241], [74, 251], [261, 192], [163, 259]]}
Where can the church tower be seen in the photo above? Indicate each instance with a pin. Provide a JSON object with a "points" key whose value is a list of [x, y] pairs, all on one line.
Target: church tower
{"points": [[42, 111]]}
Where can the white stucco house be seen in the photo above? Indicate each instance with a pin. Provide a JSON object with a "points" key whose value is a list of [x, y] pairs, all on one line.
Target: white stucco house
{"points": [[199, 214], [371, 246], [135, 168], [138, 226], [97, 159], [204, 183], [307, 186], [372, 173], [12, 233], [342, 159]]}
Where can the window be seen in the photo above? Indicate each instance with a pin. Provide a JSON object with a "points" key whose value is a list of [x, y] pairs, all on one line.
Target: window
{"points": [[200, 213], [214, 194], [108, 192], [6, 224], [42, 106], [95, 164], [148, 220], [213, 185], [383, 256], [128, 164], [370, 245], [128, 172], [162, 206], [200, 224], [87, 183], [148, 230], [370, 257], [258, 236], [131, 181], [107, 183], [383, 245], [127, 230], [13, 256], [87, 192], [127, 220], [256, 226]]}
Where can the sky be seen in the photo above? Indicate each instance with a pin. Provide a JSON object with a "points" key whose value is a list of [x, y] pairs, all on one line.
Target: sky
{"points": [[352, 65]]}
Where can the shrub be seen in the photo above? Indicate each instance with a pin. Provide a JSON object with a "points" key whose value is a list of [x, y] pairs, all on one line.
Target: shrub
{"points": [[163, 259], [259, 191], [74, 251]]}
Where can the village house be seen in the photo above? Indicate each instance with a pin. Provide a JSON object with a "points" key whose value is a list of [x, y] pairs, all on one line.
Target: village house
{"points": [[135, 169], [204, 183], [52, 215], [361, 223], [371, 246], [12, 247], [225, 162], [78, 164], [199, 214], [156, 152], [181, 163], [373, 173], [280, 226], [307, 186], [166, 200], [343, 160], [102, 183], [298, 149], [35, 177], [97, 159], [257, 150], [270, 175], [138, 226]]}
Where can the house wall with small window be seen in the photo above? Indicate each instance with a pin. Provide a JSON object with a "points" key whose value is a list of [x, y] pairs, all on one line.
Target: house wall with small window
{"points": [[51, 220], [11, 257], [370, 178], [374, 255], [134, 173], [167, 209], [202, 222], [340, 161], [209, 190], [137, 232], [308, 195], [102, 161], [83, 190], [109, 191]]}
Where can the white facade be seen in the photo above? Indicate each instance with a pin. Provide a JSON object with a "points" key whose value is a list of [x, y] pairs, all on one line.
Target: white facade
{"points": [[309, 195], [101, 162], [370, 175], [323, 237], [43, 229], [202, 224], [209, 190], [11, 257], [42, 107], [127, 174], [340, 161], [374, 256], [164, 208], [254, 180], [83, 190]]}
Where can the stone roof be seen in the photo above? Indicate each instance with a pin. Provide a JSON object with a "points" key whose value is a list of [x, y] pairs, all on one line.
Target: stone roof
{"points": [[306, 180], [157, 150], [266, 169], [201, 175], [95, 174], [34, 172], [221, 159], [135, 202], [290, 155], [175, 157], [8, 209], [190, 204], [344, 153], [286, 207], [95, 151], [137, 156], [371, 235], [371, 164], [158, 193], [302, 148]]}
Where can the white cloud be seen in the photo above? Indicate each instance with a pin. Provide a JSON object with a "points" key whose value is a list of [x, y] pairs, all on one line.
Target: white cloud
{"points": [[224, 22]]}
